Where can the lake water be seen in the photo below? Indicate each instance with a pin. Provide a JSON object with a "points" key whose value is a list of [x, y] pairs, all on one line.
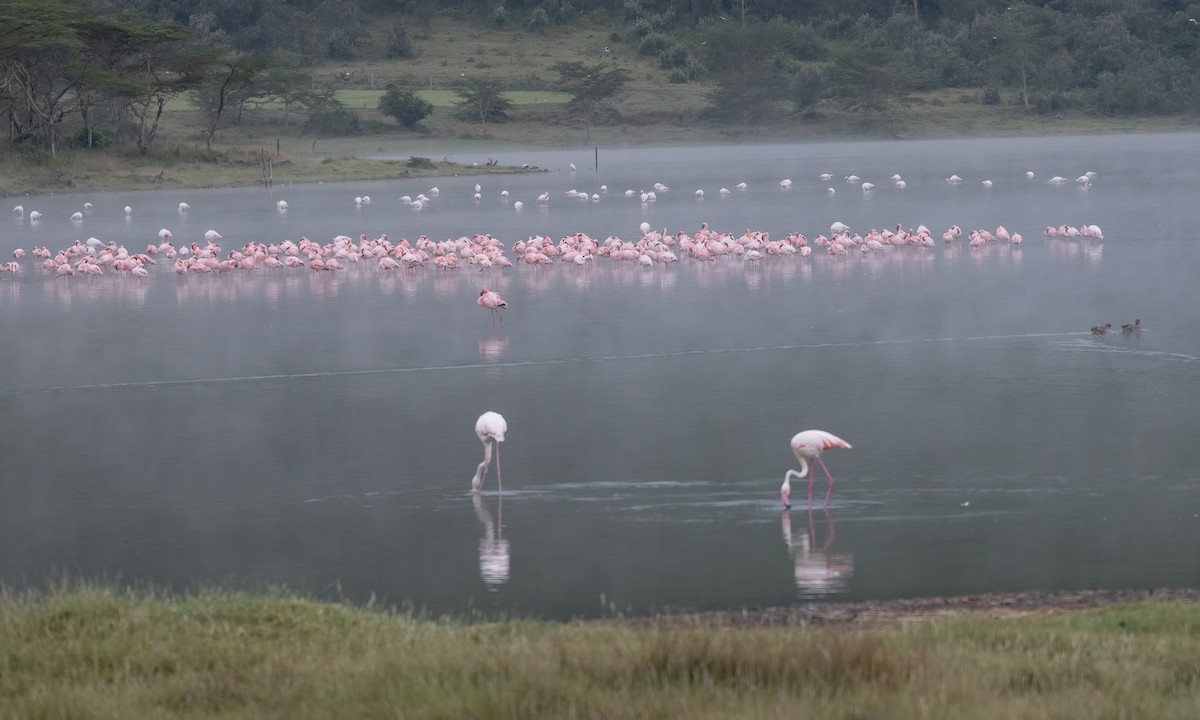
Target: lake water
{"points": [[315, 431]]}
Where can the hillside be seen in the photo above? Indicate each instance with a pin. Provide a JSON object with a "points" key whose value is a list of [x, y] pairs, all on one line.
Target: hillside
{"points": [[298, 83]]}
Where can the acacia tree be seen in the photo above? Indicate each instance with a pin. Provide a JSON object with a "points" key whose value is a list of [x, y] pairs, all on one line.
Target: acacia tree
{"points": [[482, 99], [592, 88], [159, 77], [229, 84], [61, 56], [749, 85], [286, 81], [1022, 37], [874, 81], [38, 41]]}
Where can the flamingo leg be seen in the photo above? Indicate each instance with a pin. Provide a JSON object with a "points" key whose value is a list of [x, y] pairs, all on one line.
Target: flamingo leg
{"points": [[499, 485], [487, 461], [828, 491]]}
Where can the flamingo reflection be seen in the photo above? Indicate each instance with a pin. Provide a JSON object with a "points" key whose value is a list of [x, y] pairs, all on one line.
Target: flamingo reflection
{"points": [[817, 571], [493, 548], [493, 348]]}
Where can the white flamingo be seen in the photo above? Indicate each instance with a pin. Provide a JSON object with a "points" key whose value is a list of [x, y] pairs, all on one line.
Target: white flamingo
{"points": [[805, 445], [490, 429]]}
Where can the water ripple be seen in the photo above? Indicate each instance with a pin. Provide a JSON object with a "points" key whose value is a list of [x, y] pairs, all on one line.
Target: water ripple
{"points": [[520, 363]]}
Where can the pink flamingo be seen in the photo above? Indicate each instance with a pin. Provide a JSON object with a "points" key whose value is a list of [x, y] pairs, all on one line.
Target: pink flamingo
{"points": [[490, 429], [805, 445], [493, 302]]}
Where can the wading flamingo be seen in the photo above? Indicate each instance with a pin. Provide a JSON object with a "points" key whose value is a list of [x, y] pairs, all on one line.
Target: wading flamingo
{"points": [[492, 301], [806, 445], [490, 429]]}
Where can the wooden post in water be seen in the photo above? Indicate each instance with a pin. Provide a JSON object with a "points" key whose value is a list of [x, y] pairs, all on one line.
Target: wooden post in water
{"points": [[597, 149]]}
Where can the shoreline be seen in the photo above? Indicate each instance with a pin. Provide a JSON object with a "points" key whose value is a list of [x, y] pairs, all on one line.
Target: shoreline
{"points": [[904, 611], [360, 159]]}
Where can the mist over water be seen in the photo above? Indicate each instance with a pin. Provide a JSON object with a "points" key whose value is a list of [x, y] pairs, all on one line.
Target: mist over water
{"points": [[314, 430]]}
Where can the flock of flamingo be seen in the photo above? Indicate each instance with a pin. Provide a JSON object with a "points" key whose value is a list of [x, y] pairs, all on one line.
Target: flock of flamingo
{"points": [[482, 251]]}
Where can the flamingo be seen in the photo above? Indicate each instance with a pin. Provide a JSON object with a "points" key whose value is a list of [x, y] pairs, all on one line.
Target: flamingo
{"points": [[490, 429], [492, 301], [809, 444]]}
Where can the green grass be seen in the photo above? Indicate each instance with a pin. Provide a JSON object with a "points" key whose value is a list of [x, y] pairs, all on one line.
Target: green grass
{"points": [[102, 652]]}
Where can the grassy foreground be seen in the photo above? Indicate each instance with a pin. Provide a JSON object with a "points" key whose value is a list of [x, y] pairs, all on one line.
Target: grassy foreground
{"points": [[96, 652]]}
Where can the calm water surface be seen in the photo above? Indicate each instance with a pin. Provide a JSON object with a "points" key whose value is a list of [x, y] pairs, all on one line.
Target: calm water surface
{"points": [[315, 431]]}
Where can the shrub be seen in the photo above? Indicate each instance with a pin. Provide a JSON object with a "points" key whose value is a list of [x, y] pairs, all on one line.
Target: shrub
{"points": [[566, 13], [538, 19], [653, 44], [674, 56], [100, 138], [421, 163], [404, 105], [33, 153], [811, 83], [500, 15], [333, 120], [399, 44], [991, 95], [340, 45]]}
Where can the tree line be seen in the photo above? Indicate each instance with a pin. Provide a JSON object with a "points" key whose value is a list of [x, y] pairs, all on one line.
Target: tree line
{"points": [[101, 67], [1110, 56]]}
